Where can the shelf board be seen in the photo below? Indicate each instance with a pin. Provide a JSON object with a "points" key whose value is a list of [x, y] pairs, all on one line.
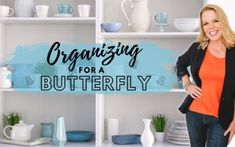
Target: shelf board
{"points": [[48, 20], [156, 144], [38, 90], [6, 89], [161, 91], [178, 90], [19, 89], [134, 35], [68, 144]]}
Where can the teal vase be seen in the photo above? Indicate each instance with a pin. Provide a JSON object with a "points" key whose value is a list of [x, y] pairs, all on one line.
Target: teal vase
{"points": [[59, 135]]}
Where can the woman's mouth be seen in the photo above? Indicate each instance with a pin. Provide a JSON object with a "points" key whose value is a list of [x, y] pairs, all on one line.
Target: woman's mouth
{"points": [[213, 33]]}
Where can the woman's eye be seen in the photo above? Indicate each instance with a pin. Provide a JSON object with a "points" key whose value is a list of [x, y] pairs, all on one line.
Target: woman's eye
{"points": [[216, 20], [205, 24]]}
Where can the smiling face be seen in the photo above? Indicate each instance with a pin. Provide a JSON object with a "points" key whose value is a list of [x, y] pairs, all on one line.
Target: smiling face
{"points": [[211, 25]]}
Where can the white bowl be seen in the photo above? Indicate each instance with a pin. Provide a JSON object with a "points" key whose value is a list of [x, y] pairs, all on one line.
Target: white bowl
{"points": [[186, 24], [186, 20], [111, 26]]}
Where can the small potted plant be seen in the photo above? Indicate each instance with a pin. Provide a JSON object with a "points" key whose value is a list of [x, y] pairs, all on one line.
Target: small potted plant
{"points": [[159, 124], [11, 119]]}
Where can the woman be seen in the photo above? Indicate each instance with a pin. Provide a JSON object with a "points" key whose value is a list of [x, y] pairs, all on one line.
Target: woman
{"points": [[209, 106]]}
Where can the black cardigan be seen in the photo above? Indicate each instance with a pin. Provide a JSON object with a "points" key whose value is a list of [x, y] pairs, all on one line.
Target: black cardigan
{"points": [[193, 58]]}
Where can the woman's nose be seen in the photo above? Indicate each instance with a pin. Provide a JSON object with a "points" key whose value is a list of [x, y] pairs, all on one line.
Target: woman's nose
{"points": [[211, 25]]}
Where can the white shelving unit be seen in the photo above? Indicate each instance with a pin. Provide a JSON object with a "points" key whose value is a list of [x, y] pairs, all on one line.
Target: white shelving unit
{"points": [[38, 90], [49, 20], [164, 144], [68, 144], [105, 106], [153, 35], [79, 110], [129, 109]]}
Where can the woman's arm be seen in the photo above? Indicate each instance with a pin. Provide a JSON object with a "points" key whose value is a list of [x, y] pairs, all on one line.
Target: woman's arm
{"points": [[231, 128], [182, 72], [185, 60], [193, 90]]}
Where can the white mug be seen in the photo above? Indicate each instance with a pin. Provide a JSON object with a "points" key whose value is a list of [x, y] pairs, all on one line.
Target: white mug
{"points": [[84, 10], [42, 10], [6, 11]]}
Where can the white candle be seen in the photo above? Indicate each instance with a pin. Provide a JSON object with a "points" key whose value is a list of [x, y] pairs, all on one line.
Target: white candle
{"points": [[113, 127]]}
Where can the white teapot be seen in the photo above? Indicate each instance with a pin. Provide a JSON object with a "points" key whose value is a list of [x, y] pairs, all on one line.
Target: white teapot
{"points": [[19, 132]]}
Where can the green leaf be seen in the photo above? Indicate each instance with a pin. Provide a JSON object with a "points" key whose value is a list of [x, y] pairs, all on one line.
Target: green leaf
{"points": [[159, 122]]}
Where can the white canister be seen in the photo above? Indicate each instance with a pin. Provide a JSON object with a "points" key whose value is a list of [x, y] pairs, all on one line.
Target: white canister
{"points": [[84, 10], [113, 127], [5, 78], [24, 8], [42, 11]]}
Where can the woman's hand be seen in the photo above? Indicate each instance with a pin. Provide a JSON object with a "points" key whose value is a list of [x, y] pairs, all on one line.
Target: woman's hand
{"points": [[194, 91], [230, 131]]}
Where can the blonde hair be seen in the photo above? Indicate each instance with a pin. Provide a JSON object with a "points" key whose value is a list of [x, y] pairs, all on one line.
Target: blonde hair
{"points": [[228, 36]]}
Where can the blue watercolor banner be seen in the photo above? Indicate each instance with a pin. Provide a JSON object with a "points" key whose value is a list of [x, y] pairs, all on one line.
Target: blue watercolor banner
{"points": [[93, 68]]}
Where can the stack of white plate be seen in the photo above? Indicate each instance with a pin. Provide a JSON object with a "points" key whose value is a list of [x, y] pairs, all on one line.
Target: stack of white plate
{"points": [[178, 133]]}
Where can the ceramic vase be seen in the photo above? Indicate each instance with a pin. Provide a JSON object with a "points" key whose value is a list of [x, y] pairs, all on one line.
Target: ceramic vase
{"points": [[140, 15], [59, 135], [47, 130], [147, 137]]}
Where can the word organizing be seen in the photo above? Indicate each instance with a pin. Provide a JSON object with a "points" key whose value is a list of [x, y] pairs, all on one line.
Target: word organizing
{"points": [[106, 52]]}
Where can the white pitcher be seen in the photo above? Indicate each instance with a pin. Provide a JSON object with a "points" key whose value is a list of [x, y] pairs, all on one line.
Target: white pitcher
{"points": [[24, 8], [140, 15]]}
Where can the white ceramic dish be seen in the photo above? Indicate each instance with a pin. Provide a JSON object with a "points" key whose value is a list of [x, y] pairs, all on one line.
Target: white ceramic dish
{"points": [[180, 121], [31, 143], [179, 143], [179, 140], [111, 26], [186, 27], [186, 20], [186, 24], [63, 15], [179, 127], [177, 136], [162, 24], [184, 143], [173, 131]]}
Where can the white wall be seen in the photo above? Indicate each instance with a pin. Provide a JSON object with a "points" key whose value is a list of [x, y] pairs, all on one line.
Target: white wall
{"points": [[174, 8], [228, 7], [35, 108], [131, 109], [53, 5], [78, 110]]}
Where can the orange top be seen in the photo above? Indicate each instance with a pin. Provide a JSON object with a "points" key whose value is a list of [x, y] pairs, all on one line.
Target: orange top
{"points": [[212, 73]]}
